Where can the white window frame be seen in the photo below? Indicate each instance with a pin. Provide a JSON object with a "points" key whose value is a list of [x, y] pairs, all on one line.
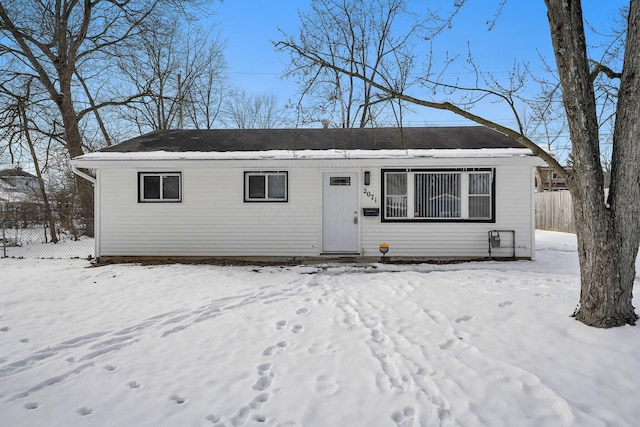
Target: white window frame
{"points": [[411, 210], [161, 175], [488, 195], [267, 194]]}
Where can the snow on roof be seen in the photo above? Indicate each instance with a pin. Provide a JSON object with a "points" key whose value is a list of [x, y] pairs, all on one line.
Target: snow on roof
{"points": [[306, 154], [15, 172]]}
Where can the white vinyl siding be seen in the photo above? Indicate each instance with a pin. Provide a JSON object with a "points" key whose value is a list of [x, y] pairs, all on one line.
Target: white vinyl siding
{"points": [[213, 218], [513, 211]]}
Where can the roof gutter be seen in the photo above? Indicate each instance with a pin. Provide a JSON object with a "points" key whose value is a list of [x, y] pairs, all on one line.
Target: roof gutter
{"points": [[84, 175]]}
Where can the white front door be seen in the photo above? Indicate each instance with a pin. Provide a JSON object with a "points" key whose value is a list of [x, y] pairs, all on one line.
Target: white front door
{"points": [[340, 212]]}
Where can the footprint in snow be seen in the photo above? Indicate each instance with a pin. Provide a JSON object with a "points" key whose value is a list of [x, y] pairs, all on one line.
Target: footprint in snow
{"points": [[281, 324], [264, 368], [259, 418], [31, 405], [447, 345], [109, 368], [4, 329], [84, 411], [303, 310], [327, 385], [465, 318], [133, 384], [263, 383], [273, 348], [241, 416], [377, 337], [259, 400], [404, 418], [24, 340], [505, 304], [297, 329], [269, 350], [179, 400], [212, 418], [425, 371]]}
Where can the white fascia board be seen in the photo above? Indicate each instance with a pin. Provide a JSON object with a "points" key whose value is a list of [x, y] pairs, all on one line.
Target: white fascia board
{"points": [[101, 159]]}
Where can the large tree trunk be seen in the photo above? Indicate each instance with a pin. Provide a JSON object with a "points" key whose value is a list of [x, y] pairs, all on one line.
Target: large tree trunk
{"points": [[73, 139], [624, 192], [608, 234], [607, 266]]}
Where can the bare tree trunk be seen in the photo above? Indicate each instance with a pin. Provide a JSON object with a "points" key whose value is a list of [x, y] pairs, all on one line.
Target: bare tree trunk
{"points": [[624, 193], [73, 140], [608, 234], [607, 267], [43, 191]]}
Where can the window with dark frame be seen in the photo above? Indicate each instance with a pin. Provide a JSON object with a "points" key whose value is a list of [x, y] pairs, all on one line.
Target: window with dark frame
{"points": [[269, 186], [154, 187], [438, 195]]}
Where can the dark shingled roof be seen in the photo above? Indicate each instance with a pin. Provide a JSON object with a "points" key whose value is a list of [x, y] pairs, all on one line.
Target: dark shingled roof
{"points": [[221, 140], [15, 172]]}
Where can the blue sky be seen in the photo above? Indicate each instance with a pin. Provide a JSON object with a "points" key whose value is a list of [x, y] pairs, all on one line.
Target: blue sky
{"points": [[521, 34]]}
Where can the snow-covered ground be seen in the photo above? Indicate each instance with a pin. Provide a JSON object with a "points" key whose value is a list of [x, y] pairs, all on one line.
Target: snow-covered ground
{"points": [[474, 344]]}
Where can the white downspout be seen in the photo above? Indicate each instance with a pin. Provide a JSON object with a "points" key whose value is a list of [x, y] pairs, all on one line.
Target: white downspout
{"points": [[81, 174]]}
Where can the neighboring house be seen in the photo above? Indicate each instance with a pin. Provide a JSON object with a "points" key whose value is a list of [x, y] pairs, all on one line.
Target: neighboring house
{"points": [[427, 192], [548, 180], [20, 180], [19, 196]]}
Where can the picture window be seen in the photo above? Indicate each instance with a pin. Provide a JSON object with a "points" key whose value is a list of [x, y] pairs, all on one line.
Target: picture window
{"points": [[438, 195]]}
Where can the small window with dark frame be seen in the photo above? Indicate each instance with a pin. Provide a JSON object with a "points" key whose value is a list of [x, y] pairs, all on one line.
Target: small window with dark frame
{"points": [[159, 187], [266, 186]]}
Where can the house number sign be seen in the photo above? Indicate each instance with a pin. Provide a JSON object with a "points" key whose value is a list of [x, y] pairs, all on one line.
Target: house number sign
{"points": [[370, 195]]}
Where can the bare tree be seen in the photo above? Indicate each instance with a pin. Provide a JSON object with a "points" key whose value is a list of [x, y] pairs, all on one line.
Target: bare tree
{"points": [[59, 41], [356, 35], [252, 111], [180, 71], [608, 231], [16, 129], [203, 99]]}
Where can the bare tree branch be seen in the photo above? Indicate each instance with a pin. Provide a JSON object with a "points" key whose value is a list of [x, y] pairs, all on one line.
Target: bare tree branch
{"points": [[447, 106]]}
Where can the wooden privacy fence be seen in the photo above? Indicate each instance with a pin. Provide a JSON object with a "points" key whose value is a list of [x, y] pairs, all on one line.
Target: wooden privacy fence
{"points": [[554, 211]]}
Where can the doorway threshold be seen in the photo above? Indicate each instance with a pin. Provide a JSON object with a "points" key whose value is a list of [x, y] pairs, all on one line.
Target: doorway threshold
{"points": [[339, 254]]}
